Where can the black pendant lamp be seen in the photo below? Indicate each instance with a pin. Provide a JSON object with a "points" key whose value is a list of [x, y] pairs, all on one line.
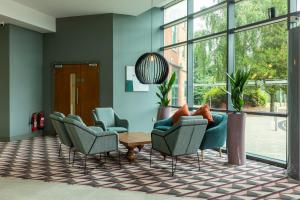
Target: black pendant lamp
{"points": [[151, 67]]}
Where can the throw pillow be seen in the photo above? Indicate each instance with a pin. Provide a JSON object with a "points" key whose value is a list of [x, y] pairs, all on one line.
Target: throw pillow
{"points": [[205, 112], [183, 111]]}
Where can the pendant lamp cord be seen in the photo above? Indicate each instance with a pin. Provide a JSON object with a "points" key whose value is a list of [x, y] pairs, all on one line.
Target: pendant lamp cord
{"points": [[151, 24]]}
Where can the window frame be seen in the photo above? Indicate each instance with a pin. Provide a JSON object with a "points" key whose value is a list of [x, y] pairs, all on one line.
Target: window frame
{"points": [[230, 34]]}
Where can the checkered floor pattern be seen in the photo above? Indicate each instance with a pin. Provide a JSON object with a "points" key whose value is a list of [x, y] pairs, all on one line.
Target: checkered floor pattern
{"points": [[38, 159]]}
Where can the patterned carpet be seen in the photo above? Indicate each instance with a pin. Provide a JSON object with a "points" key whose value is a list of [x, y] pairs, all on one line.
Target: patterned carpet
{"points": [[38, 159]]}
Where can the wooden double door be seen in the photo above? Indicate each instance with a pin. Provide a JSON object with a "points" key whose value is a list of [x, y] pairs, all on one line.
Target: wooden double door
{"points": [[77, 90]]}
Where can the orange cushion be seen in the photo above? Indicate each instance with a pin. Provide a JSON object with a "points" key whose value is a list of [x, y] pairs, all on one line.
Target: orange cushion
{"points": [[183, 111], [205, 112]]}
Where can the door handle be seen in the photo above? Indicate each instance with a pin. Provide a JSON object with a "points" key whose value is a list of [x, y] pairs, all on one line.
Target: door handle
{"points": [[77, 96]]}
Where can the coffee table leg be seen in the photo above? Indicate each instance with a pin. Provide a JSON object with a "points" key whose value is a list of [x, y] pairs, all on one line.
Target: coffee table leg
{"points": [[140, 147], [131, 154]]}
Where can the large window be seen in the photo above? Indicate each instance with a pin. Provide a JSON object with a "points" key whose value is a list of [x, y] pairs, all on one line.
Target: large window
{"points": [[177, 58], [212, 22], [203, 4], [210, 58], [250, 11], [205, 39], [176, 11], [175, 34], [264, 50]]}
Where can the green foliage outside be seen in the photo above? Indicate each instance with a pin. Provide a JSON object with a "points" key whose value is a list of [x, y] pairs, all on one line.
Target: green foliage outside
{"points": [[253, 97], [262, 49]]}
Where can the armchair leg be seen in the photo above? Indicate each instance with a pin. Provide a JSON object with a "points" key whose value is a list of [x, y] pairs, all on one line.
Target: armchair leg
{"points": [[202, 154], [70, 155], [74, 154], [198, 161], [120, 159], [151, 157], [174, 166], [220, 152], [85, 159], [59, 150]]}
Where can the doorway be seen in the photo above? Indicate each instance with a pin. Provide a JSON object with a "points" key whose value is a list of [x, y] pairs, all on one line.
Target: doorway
{"points": [[77, 90]]}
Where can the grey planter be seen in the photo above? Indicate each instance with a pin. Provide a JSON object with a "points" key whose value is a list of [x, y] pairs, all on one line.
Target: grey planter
{"points": [[163, 113], [236, 139]]}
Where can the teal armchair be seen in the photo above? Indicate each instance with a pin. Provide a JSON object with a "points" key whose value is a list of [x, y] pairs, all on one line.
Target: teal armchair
{"points": [[90, 140], [183, 138], [108, 120], [57, 120], [216, 134]]}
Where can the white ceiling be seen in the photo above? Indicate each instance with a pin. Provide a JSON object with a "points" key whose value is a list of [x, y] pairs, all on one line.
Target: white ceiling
{"points": [[40, 15], [67, 8]]}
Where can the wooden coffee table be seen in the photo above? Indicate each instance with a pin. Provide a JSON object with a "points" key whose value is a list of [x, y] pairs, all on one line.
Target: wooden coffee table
{"points": [[134, 140]]}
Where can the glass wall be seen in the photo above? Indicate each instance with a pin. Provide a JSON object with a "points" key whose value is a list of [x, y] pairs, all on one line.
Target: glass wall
{"points": [[251, 11], [203, 40], [176, 11], [210, 58], [264, 50], [177, 58]]}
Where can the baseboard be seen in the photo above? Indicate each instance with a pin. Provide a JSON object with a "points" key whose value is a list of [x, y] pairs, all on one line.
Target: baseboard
{"points": [[21, 137]]}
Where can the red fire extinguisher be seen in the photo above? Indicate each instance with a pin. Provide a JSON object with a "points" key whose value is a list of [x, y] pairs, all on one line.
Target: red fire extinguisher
{"points": [[34, 122], [41, 120]]}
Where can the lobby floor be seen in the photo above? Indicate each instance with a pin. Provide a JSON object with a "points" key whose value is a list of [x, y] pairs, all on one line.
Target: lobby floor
{"points": [[19, 189], [45, 175]]}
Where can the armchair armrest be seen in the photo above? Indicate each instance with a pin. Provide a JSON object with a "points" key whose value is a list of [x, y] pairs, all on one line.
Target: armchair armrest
{"points": [[105, 142], [164, 122], [121, 122], [158, 132], [100, 124]]}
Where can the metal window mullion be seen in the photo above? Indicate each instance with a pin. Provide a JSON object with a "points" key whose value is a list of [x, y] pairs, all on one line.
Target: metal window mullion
{"points": [[230, 48], [292, 8], [190, 55]]}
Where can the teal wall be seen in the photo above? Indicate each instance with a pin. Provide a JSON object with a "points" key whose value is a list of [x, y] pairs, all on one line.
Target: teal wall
{"points": [[80, 39], [4, 82], [132, 38], [113, 41], [25, 78], [20, 81]]}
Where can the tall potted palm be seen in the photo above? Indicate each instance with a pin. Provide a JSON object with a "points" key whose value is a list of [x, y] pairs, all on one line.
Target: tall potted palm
{"points": [[164, 110], [236, 119]]}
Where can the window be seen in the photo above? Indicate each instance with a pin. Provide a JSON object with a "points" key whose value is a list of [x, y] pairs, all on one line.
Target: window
{"points": [[250, 11], [203, 43], [176, 11], [174, 93], [210, 59], [266, 136], [212, 22], [177, 58], [202, 4], [264, 50], [175, 34]]}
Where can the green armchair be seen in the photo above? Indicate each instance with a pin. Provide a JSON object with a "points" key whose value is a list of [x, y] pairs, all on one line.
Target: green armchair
{"points": [[183, 138], [108, 120], [90, 140], [57, 120], [215, 135]]}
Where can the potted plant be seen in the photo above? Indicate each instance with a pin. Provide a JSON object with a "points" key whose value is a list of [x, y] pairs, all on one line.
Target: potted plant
{"points": [[236, 119], [164, 110]]}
